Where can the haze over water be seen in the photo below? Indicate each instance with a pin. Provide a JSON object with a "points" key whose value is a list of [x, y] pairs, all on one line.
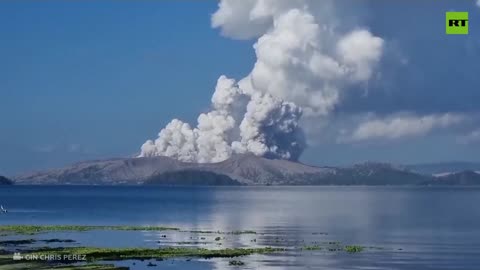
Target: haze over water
{"points": [[409, 227]]}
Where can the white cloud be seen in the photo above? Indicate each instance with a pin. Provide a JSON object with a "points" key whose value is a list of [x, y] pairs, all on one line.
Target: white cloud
{"points": [[478, 3], [360, 49], [400, 126]]}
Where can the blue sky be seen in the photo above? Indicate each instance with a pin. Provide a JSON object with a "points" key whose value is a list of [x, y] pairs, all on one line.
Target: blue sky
{"points": [[95, 79]]}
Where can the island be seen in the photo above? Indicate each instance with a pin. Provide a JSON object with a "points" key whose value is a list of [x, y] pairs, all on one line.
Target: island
{"points": [[5, 181]]}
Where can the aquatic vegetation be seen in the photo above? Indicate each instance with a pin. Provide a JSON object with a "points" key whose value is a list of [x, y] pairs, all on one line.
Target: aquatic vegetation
{"points": [[56, 240], [8, 264], [108, 254], [242, 232], [33, 229], [334, 246], [203, 232], [236, 263], [315, 247], [353, 249], [17, 242], [219, 232], [96, 255], [88, 267]]}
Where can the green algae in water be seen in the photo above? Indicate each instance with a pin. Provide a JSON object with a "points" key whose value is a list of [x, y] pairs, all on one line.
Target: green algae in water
{"points": [[17, 242], [335, 247], [206, 232], [34, 229], [219, 232], [89, 267], [114, 254], [242, 232], [17, 265], [353, 249]]}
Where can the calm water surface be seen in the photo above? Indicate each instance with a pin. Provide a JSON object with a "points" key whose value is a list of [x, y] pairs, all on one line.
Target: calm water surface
{"points": [[416, 228]]}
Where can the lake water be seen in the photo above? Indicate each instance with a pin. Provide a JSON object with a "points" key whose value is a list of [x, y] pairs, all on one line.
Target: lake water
{"points": [[410, 227]]}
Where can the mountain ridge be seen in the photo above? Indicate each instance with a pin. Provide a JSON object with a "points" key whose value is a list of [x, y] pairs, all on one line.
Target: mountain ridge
{"points": [[240, 169], [247, 169], [437, 168], [463, 178]]}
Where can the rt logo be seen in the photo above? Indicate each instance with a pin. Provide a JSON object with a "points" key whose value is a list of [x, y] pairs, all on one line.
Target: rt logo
{"points": [[457, 23]]}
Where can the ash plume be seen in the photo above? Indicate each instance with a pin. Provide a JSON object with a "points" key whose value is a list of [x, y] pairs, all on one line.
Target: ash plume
{"points": [[303, 67]]}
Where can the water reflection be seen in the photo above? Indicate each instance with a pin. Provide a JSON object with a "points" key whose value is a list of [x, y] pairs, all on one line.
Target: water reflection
{"points": [[417, 228]]}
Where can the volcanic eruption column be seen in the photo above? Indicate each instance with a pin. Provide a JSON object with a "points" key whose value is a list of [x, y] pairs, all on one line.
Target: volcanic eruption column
{"points": [[303, 66]]}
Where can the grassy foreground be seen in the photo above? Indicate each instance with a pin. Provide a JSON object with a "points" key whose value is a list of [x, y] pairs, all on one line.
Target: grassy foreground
{"points": [[33, 229], [93, 254], [115, 254], [88, 267], [91, 258], [6, 263]]}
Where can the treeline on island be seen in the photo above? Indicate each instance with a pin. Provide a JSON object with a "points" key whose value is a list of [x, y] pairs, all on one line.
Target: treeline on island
{"points": [[5, 181], [191, 178]]}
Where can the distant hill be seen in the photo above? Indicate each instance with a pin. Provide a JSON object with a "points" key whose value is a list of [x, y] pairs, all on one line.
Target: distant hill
{"points": [[465, 178], [238, 170], [443, 167], [376, 174], [5, 181]]}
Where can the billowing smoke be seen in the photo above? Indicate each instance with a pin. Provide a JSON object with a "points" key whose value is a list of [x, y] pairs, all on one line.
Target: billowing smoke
{"points": [[302, 66], [239, 122]]}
